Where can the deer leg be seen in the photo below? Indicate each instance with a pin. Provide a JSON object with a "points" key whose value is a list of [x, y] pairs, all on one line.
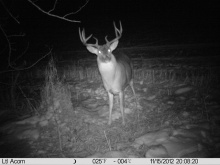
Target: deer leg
{"points": [[110, 97], [121, 97]]}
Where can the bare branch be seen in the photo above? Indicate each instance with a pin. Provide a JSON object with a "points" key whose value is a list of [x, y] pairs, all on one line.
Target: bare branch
{"points": [[9, 46], [54, 6], [23, 53], [12, 70], [87, 1], [48, 53], [16, 35], [15, 19], [9, 55], [57, 16]]}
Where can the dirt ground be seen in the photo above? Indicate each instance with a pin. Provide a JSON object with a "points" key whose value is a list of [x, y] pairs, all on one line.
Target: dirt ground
{"points": [[182, 121]]}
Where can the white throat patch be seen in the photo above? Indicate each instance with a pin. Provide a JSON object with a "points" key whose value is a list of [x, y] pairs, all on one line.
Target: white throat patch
{"points": [[106, 67]]}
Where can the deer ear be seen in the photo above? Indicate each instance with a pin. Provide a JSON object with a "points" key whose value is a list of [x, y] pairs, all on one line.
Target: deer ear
{"points": [[114, 45], [92, 49]]}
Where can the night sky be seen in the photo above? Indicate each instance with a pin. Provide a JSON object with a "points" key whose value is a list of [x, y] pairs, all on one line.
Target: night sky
{"points": [[145, 23]]}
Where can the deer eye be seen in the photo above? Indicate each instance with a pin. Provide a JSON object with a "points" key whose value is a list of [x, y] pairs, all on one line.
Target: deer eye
{"points": [[109, 50], [100, 52]]}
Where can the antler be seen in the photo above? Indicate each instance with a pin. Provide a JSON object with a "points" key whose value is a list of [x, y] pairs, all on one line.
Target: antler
{"points": [[84, 39], [118, 33]]}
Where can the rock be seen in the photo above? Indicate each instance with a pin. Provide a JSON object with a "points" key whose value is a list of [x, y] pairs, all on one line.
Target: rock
{"points": [[31, 120], [32, 134], [183, 90], [43, 123], [153, 138], [179, 149], [157, 151]]}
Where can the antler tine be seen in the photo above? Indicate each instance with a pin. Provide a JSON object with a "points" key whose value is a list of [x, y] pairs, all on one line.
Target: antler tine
{"points": [[106, 39], [84, 39], [118, 33], [116, 30], [120, 27], [82, 36], [97, 42]]}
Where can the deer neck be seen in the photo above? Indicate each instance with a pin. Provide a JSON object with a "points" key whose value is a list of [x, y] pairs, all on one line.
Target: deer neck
{"points": [[108, 70]]}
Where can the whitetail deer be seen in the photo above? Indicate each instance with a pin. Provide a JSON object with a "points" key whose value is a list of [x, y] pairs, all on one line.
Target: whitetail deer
{"points": [[116, 70]]}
